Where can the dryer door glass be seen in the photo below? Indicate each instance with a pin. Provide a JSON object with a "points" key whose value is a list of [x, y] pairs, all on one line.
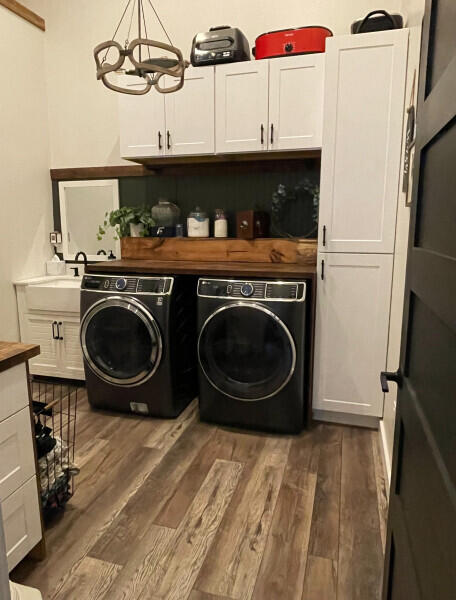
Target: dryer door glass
{"points": [[246, 352], [121, 341]]}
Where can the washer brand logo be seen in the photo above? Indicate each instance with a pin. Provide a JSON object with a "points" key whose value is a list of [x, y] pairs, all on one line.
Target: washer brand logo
{"points": [[160, 301]]}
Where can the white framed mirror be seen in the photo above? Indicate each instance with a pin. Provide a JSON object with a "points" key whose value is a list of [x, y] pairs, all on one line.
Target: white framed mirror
{"points": [[83, 205]]}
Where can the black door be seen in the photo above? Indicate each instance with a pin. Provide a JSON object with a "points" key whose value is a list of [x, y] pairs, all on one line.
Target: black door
{"points": [[121, 341], [246, 351], [420, 562]]}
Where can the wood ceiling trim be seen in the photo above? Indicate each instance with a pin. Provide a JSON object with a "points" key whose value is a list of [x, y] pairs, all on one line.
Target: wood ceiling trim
{"points": [[25, 13]]}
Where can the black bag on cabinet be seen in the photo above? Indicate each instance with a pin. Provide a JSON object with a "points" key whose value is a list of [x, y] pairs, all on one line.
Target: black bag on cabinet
{"points": [[377, 20]]}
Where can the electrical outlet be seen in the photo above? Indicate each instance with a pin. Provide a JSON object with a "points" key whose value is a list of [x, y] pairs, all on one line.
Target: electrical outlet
{"points": [[55, 237]]}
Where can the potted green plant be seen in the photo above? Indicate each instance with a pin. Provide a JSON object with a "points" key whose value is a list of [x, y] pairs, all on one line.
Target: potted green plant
{"points": [[134, 221]]}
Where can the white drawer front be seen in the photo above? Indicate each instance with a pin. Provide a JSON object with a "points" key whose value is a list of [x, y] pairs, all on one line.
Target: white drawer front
{"points": [[13, 391], [17, 460], [21, 522]]}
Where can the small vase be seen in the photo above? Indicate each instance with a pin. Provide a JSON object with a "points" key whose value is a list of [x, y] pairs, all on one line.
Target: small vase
{"points": [[136, 229]]}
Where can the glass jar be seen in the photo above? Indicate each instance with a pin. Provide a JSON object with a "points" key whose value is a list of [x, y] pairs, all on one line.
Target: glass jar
{"points": [[198, 223], [165, 213], [220, 224]]}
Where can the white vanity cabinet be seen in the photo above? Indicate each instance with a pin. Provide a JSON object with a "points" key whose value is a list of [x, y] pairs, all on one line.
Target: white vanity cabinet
{"points": [[18, 483], [174, 124], [362, 140], [56, 332]]}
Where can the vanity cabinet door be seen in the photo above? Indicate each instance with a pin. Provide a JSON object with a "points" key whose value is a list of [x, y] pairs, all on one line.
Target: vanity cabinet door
{"points": [[42, 330], [141, 121], [362, 138], [296, 102], [351, 337], [72, 365], [190, 125], [241, 105]]}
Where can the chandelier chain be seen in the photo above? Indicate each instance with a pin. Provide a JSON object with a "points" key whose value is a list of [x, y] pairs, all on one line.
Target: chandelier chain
{"points": [[117, 29], [161, 23]]}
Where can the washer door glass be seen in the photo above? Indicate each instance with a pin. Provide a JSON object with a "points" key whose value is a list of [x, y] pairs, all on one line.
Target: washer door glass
{"points": [[121, 341], [246, 352]]}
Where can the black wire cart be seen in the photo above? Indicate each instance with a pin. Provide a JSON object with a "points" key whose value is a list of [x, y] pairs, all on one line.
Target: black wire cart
{"points": [[54, 408]]}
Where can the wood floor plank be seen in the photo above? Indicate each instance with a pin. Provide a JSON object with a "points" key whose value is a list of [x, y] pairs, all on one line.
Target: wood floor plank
{"points": [[197, 595], [382, 486], [324, 535], [360, 549], [140, 512], [321, 579], [222, 446], [284, 561], [142, 564], [89, 580], [232, 566], [175, 575], [168, 431]]}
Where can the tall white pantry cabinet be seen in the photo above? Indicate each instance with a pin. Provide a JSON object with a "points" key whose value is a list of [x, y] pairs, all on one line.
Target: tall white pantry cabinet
{"points": [[365, 77]]}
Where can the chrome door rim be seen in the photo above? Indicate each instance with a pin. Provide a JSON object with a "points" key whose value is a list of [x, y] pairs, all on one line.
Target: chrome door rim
{"points": [[254, 306], [151, 325]]}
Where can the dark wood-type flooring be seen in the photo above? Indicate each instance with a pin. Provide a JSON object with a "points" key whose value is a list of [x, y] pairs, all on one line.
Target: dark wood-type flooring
{"points": [[185, 510]]}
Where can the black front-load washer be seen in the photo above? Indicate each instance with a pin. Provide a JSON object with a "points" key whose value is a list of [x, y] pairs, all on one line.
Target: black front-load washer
{"points": [[251, 349], [138, 337]]}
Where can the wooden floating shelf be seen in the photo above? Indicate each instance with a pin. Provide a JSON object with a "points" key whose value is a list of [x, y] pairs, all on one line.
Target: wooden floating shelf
{"points": [[223, 250], [177, 165]]}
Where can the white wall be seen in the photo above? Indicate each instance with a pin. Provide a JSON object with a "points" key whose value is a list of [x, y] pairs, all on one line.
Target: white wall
{"points": [[413, 11], [25, 199], [83, 114]]}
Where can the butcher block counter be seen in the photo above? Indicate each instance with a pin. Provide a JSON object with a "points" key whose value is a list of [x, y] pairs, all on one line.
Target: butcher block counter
{"points": [[205, 268], [14, 353]]}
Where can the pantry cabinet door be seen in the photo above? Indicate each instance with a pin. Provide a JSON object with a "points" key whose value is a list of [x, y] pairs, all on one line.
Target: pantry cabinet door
{"points": [[296, 102], [141, 121], [42, 330], [362, 137], [353, 305], [72, 365], [241, 100], [190, 124]]}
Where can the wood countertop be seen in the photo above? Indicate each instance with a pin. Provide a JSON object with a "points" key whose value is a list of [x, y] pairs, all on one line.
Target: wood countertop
{"points": [[14, 353], [184, 267]]}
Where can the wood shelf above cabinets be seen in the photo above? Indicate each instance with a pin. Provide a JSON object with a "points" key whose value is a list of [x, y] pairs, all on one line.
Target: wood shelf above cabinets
{"points": [[210, 164]]}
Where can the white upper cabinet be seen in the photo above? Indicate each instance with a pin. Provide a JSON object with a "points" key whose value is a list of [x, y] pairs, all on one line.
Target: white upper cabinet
{"points": [[362, 136], [141, 121], [190, 114], [351, 334], [241, 100], [296, 102]]}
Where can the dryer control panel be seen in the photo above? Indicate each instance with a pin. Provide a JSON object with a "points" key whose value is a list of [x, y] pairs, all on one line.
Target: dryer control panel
{"points": [[284, 291], [129, 285]]}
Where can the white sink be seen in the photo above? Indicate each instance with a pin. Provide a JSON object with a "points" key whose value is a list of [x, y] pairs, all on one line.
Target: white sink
{"points": [[60, 295]]}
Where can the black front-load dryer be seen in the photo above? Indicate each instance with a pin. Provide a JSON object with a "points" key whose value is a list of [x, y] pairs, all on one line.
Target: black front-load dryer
{"points": [[251, 349], [138, 337]]}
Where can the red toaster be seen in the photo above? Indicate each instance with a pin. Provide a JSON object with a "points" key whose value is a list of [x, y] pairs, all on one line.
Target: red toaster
{"points": [[289, 42]]}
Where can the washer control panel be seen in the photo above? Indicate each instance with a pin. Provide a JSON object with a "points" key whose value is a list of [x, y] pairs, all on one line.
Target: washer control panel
{"points": [[130, 285], [285, 291]]}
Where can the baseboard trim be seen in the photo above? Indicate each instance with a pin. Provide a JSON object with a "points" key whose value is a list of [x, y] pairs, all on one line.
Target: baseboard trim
{"points": [[387, 459], [345, 418]]}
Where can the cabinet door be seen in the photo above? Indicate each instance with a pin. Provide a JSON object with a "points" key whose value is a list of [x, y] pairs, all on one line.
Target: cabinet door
{"points": [[39, 330], [362, 137], [21, 522], [190, 125], [296, 102], [72, 365], [241, 105], [17, 460], [353, 302], [141, 121]]}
